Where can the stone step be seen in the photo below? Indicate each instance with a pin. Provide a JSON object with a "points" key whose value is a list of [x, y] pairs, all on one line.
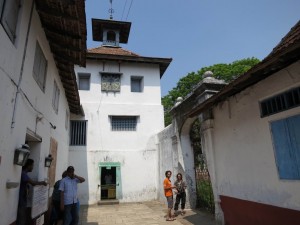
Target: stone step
{"points": [[108, 202]]}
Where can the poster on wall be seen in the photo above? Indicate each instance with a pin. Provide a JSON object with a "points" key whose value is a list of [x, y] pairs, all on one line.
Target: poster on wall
{"points": [[39, 200]]}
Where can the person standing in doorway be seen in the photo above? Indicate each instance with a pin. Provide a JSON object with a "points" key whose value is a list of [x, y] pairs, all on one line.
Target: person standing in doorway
{"points": [[69, 199], [181, 195], [169, 194], [23, 217]]}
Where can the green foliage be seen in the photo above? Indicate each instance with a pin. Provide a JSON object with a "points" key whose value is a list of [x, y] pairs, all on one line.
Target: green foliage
{"points": [[205, 196], [195, 138], [229, 72], [185, 85]]}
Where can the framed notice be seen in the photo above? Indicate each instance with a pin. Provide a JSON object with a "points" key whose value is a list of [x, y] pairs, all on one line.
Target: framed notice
{"points": [[39, 200]]}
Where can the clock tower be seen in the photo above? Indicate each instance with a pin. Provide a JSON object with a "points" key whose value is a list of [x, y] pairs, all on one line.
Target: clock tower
{"points": [[121, 100]]}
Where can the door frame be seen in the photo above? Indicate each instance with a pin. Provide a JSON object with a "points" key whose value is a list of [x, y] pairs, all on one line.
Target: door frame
{"points": [[118, 176]]}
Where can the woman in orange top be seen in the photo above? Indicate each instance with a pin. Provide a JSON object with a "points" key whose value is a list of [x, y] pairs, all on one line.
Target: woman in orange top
{"points": [[169, 194]]}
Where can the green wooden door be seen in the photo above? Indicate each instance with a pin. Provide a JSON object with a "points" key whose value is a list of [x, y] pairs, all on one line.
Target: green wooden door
{"points": [[118, 183]]}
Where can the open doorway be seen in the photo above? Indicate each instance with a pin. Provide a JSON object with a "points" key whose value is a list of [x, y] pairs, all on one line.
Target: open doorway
{"points": [[205, 196], [108, 182]]}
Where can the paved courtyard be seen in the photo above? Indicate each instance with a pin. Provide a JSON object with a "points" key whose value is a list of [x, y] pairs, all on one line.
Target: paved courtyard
{"points": [[148, 213]]}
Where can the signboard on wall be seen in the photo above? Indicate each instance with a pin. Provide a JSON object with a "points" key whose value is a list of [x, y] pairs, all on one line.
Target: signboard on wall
{"points": [[39, 200]]}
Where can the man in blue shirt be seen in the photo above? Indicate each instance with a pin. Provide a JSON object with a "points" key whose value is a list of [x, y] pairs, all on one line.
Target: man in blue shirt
{"points": [[68, 202]]}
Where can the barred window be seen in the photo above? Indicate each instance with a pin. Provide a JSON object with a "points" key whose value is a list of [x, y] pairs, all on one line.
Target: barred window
{"points": [[78, 132], [280, 102], [123, 123]]}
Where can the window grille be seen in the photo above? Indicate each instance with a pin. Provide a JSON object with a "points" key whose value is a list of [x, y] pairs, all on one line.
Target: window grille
{"points": [[280, 102], [123, 123], [111, 82], [78, 132]]}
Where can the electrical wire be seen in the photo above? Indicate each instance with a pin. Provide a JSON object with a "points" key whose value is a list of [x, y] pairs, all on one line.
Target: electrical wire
{"points": [[129, 9], [123, 10]]}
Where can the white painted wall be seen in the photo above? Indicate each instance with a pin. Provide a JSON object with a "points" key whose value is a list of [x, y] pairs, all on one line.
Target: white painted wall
{"points": [[244, 156], [29, 102], [176, 154], [133, 149]]}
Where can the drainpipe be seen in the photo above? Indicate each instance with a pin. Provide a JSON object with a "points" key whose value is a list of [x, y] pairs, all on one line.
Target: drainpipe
{"points": [[22, 68]]}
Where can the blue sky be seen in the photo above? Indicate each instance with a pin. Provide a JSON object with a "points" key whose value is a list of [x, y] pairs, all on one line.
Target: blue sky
{"points": [[198, 33]]}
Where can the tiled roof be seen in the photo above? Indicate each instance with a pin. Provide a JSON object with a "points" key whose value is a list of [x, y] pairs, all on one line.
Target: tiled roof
{"points": [[284, 54], [291, 37], [111, 51], [64, 23], [119, 54]]}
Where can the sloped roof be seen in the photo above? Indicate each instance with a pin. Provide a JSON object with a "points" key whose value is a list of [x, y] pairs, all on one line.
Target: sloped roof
{"points": [[292, 37], [119, 54], [98, 25], [64, 23], [111, 51], [284, 54]]}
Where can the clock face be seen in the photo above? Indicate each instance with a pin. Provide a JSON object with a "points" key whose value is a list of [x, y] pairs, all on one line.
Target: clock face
{"points": [[111, 82]]}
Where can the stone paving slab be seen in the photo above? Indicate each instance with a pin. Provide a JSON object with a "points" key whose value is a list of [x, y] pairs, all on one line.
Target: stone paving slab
{"points": [[148, 213]]}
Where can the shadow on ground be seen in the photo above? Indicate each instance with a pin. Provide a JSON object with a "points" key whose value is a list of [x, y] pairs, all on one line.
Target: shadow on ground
{"points": [[139, 214], [196, 217]]}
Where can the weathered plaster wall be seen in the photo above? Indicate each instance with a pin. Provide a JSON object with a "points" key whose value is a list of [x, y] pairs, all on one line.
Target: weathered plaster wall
{"points": [[244, 157], [31, 103], [176, 154], [166, 147], [138, 173]]}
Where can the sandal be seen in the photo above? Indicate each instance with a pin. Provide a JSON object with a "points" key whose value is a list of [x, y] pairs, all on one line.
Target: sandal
{"points": [[170, 219]]}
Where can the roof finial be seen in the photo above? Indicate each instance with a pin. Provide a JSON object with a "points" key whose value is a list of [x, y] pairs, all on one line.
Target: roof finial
{"points": [[111, 10]]}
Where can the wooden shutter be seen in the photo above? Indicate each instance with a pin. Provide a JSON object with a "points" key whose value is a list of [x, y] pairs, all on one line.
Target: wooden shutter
{"points": [[36, 64], [9, 17], [42, 72], [55, 97], [52, 169], [294, 132], [284, 153], [40, 67]]}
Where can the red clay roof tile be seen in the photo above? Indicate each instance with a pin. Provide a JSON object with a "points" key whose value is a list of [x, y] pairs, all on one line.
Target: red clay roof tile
{"points": [[111, 51]]}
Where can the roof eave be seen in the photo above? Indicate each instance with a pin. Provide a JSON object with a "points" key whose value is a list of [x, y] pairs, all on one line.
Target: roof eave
{"points": [[64, 24], [163, 62], [270, 65]]}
